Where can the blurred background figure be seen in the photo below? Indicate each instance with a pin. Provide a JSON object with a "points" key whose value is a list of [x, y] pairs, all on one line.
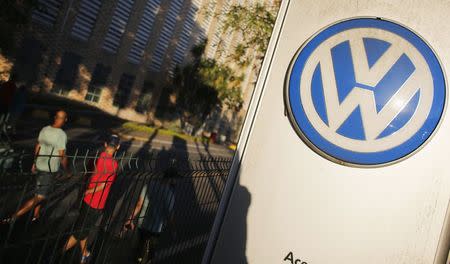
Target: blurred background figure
{"points": [[17, 106], [155, 210], [7, 91]]}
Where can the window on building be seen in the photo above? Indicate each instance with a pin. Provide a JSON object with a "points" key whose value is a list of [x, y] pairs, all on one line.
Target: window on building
{"points": [[86, 19], [124, 90], [98, 81], [118, 25], [143, 32], [48, 11], [145, 98], [166, 34], [67, 73]]}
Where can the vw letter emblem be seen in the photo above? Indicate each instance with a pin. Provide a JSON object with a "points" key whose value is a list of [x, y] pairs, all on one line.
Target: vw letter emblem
{"points": [[365, 92]]}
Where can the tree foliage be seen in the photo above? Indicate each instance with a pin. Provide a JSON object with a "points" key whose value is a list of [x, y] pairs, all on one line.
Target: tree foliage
{"points": [[195, 99], [254, 23], [224, 81], [206, 83], [203, 85]]}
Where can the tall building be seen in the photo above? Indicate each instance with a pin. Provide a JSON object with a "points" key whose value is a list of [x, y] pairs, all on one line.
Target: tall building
{"points": [[118, 55]]}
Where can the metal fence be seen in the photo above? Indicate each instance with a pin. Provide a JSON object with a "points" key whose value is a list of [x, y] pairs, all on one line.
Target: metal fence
{"points": [[196, 185], [7, 153]]}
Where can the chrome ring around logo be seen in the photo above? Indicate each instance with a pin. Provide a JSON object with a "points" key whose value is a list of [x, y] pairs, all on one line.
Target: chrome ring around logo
{"points": [[365, 92]]}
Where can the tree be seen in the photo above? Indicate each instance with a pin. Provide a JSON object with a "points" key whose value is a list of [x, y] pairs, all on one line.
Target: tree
{"points": [[223, 79], [194, 98], [203, 85], [254, 23]]}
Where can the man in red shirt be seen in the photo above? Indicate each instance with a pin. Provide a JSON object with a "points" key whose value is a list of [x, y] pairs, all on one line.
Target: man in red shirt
{"points": [[95, 197]]}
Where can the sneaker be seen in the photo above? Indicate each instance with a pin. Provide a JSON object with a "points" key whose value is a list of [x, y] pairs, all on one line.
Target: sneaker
{"points": [[86, 258], [7, 221]]}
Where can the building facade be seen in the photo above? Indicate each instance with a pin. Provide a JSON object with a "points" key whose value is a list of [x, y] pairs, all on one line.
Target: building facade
{"points": [[118, 55]]}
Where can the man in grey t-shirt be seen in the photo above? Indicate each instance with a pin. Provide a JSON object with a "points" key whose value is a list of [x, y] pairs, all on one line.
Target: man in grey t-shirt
{"points": [[52, 141], [50, 155]]}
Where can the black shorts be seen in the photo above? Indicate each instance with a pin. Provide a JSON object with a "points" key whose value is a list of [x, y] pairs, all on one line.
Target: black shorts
{"points": [[147, 245], [44, 183], [86, 221]]}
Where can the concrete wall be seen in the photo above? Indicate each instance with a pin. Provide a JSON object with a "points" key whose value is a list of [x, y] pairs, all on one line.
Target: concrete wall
{"points": [[288, 199]]}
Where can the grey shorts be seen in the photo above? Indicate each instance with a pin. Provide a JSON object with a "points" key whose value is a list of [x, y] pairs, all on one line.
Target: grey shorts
{"points": [[44, 183]]}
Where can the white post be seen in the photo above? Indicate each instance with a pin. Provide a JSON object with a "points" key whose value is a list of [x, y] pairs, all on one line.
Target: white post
{"points": [[344, 153]]}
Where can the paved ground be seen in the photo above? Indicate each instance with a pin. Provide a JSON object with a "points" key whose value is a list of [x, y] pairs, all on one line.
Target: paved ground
{"points": [[87, 138], [87, 128]]}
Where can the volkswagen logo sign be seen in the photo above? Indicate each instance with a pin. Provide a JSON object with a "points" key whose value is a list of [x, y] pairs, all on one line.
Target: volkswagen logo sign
{"points": [[365, 92]]}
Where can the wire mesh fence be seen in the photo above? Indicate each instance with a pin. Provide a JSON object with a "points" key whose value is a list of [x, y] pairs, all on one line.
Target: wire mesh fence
{"points": [[156, 208], [7, 153]]}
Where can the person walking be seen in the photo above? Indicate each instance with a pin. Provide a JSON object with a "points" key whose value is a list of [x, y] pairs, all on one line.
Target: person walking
{"points": [[49, 155], [155, 208], [95, 197]]}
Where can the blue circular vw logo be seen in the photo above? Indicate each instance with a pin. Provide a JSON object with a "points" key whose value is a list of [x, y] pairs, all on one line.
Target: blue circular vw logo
{"points": [[365, 92]]}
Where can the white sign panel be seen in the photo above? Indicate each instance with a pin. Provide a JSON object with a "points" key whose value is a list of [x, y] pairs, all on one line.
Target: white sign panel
{"points": [[345, 151]]}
